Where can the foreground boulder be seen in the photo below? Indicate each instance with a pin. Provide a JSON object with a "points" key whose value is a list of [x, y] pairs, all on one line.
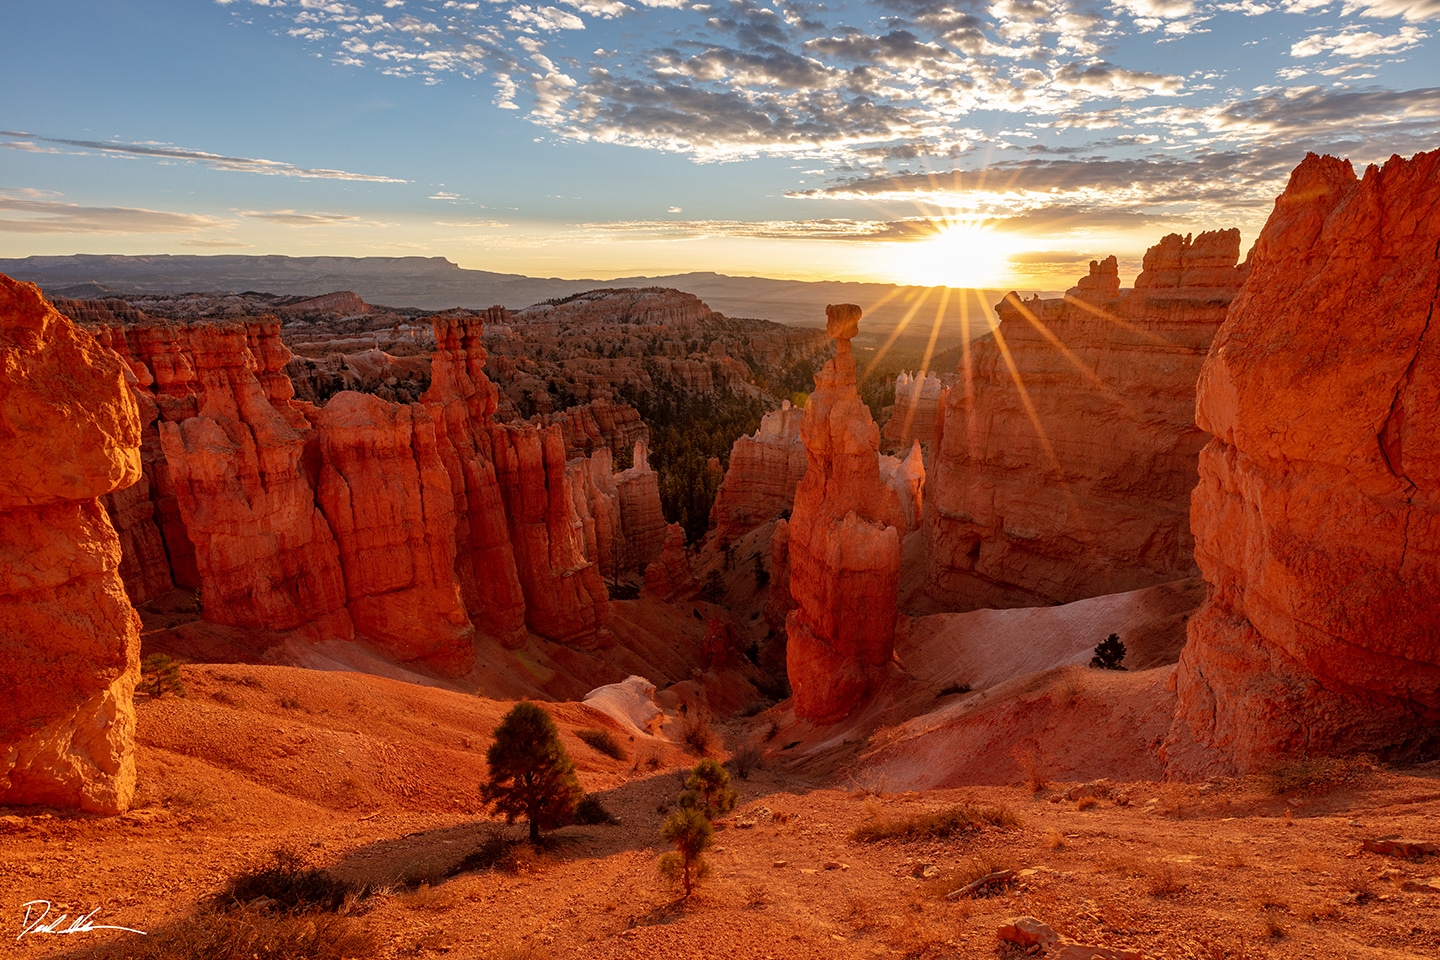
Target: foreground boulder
{"points": [[1317, 516], [70, 640]]}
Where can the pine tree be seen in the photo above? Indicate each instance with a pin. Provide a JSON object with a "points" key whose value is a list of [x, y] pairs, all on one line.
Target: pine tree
{"points": [[690, 832], [708, 789], [530, 773], [1109, 653]]}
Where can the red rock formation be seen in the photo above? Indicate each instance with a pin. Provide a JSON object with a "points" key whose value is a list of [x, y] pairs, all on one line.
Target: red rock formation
{"points": [[671, 577], [599, 423], [640, 514], [565, 598], [597, 505], [764, 471], [385, 494], [844, 545], [266, 556], [1317, 516], [916, 416], [1103, 282], [778, 602], [484, 560], [1070, 477], [70, 644]]}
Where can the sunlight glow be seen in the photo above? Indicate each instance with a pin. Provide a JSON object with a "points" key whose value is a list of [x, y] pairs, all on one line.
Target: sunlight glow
{"points": [[959, 254]]}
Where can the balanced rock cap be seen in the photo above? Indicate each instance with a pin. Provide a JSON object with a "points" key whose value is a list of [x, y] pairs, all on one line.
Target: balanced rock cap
{"points": [[842, 320]]}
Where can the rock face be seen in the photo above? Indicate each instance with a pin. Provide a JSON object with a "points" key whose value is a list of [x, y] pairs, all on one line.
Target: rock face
{"points": [[1071, 476], [671, 576], [70, 644], [641, 518], [764, 471], [844, 545], [918, 402], [1317, 515], [411, 525]]}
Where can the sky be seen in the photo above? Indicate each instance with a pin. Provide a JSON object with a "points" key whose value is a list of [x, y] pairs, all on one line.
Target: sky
{"points": [[996, 144]]}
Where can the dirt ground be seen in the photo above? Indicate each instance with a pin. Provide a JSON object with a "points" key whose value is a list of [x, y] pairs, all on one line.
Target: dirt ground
{"points": [[376, 780]]}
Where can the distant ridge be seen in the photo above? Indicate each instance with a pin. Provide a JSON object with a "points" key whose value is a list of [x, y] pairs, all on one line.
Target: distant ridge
{"points": [[435, 283]]}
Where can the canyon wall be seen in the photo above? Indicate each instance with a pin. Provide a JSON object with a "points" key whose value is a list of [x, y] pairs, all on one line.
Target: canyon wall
{"points": [[412, 525], [764, 471], [70, 641], [1317, 515], [1069, 476], [916, 416], [843, 546]]}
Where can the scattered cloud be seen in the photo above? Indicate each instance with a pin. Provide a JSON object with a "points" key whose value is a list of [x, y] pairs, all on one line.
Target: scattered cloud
{"points": [[292, 218], [1356, 42], [29, 212], [215, 161], [1411, 10]]}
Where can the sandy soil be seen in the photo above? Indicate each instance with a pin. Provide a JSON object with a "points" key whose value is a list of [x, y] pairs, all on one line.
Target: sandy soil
{"points": [[376, 779]]}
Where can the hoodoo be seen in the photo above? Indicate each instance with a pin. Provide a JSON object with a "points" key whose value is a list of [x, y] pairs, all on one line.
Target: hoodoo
{"points": [[1317, 515], [1068, 445], [844, 544], [70, 644]]}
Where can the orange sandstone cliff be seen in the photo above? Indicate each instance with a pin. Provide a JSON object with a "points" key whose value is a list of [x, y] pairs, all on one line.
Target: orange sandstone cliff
{"points": [[417, 526], [1317, 515], [843, 545], [1067, 447], [69, 638], [764, 471]]}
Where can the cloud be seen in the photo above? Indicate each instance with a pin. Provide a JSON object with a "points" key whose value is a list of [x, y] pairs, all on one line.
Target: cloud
{"points": [[1356, 42], [216, 243], [291, 218], [22, 212], [213, 160], [1107, 79], [1411, 10]]}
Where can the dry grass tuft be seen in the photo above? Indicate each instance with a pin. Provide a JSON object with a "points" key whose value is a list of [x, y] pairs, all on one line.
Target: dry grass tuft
{"points": [[1055, 840], [604, 741], [937, 824], [1166, 883], [245, 933]]}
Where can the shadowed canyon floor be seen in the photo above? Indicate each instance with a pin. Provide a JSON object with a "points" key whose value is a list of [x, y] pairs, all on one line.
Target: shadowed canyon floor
{"points": [[376, 780]]}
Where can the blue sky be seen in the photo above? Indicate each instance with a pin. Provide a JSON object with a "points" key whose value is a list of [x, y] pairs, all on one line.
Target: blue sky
{"points": [[988, 143]]}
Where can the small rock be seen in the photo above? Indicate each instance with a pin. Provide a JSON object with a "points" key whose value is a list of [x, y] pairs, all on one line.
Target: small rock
{"points": [[745, 824], [1397, 847], [780, 863], [835, 865], [1429, 885], [925, 871]]}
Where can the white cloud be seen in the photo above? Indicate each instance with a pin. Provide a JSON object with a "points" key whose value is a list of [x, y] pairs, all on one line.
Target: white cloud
{"points": [[1411, 10], [161, 151], [1356, 43], [26, 212]]}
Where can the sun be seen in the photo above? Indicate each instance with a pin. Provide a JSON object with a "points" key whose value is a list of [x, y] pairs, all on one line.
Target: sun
{"points": [[959, 254]]}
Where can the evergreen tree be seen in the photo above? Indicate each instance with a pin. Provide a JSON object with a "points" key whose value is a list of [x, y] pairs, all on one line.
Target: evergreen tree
{"points": [[1109, 653], [690, 832], [708, 789], [530, 773]]}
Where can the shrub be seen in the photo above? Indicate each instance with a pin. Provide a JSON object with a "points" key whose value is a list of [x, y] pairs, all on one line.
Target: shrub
{"points": [[695, 732], [159, 675], [290, 885], [937, 824], [747, 758], [708, 790], [1108, 653], [530, 773], [590, 812], [1318, 775], [690, 832], [246, 934], [603, 741], [952, 689]]}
